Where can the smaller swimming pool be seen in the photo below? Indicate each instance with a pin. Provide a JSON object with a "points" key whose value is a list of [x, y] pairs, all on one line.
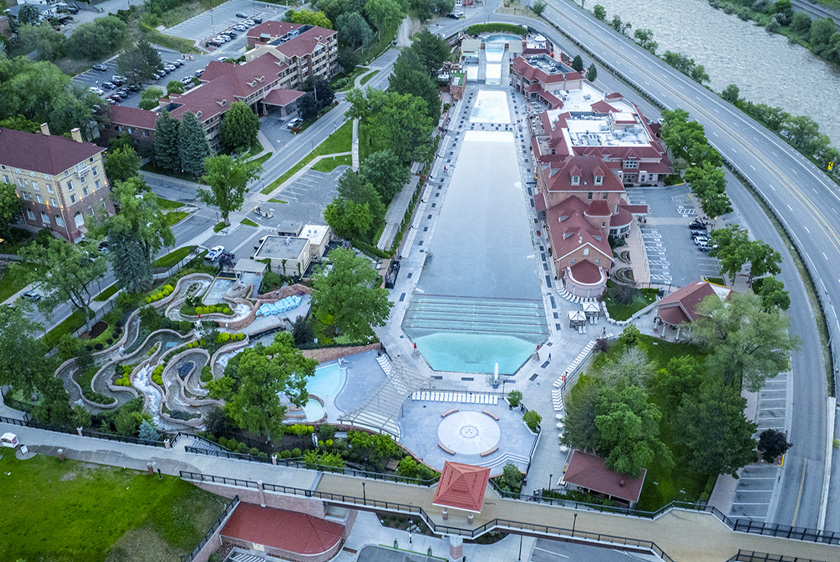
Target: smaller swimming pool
{"points": [[326, 384]]}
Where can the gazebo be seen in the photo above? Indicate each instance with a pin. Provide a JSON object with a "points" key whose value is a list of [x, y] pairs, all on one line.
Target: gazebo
{"points": [[461, 486], [592, 309], [577, 318]]}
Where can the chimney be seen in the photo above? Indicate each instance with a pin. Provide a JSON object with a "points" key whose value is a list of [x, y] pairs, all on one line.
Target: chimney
{"points": [[45, 129], [76, 134]]}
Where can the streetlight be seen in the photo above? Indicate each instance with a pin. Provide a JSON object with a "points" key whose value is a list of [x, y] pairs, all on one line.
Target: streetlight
{"points": [[550, 480], [520, 548], [574, 522], [364, 495]]}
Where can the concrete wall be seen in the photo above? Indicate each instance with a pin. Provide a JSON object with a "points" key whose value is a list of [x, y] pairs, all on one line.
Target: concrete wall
{"points": [[309, 506]]}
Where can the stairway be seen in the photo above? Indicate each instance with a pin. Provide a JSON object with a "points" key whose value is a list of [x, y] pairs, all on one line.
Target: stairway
{"points": [[523, 318]]}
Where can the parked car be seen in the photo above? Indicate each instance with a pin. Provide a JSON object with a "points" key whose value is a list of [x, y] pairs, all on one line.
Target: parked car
{"points": [[294, 123], [705, 246], [241, 15], [225, 37], [117, 79], [186, 80], [231, 34], [214, 253], [257, 20], [249, 22], [31, 296], [696, 233], [9, 440], [97, 91], [100, 67], [240, 27], [199, 72], [115, 97], [134, 88], [156, 75], [702, 240], [170, 67], [178, 63], [108, 86], [696, 224]]}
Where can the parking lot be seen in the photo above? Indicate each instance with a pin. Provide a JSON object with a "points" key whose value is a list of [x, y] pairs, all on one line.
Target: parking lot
{"points": [[673, 258], [223, 17]]}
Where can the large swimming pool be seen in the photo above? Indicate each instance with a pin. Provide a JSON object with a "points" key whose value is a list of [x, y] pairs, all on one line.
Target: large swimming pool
{"points": [[491, 106]]}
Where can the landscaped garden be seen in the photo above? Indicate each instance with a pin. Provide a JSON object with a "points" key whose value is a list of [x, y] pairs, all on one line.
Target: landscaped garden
{"points": [[56, 511], [623, 301]]}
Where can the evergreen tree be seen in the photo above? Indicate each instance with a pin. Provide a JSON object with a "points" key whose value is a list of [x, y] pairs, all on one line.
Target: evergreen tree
{"points": [[577, 63], [239, 128], [132, 269], [166, 142], [410, 77], [592, 73], [193, 145], [148, 431]]}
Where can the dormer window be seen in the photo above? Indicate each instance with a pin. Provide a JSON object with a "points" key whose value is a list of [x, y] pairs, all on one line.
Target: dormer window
{"points": [[599, 180], [575, 180]]}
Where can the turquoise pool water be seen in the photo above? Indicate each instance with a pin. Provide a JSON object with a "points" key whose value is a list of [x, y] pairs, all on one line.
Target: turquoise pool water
{"points": [[326, 383], [474, 353]]}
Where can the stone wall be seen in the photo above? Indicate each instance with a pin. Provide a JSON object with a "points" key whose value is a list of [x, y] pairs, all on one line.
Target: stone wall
{"points": [[332, 353]]}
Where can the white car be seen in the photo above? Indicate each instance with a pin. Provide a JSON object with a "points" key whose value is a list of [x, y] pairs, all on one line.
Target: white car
{"points": [[214, 253], [9, 440], [97, 91]]}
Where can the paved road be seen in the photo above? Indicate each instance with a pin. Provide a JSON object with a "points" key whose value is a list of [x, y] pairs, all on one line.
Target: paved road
{"points": [[811, 210]]}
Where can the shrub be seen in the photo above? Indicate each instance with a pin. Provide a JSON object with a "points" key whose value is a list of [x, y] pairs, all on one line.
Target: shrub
{"points": [[296, 452], [514, 398], [206, 373], [532, 419], [242, 448], [253, 451], [223, 442], [262, 455], [329, 442], [320, 443], [326, 431], [285, 454]]}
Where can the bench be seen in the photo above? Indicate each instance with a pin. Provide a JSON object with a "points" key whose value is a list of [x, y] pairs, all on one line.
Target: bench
{"points": [[446, 449], [443, 415], [490, 452], [494, 416]]}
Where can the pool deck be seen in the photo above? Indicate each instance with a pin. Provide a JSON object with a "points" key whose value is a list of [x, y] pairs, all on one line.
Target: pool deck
{"points": [[364, 377]]}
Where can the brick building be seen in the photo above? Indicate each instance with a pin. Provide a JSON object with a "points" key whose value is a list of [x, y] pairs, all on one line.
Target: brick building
{"points": [[61, 181], [138, 124]]}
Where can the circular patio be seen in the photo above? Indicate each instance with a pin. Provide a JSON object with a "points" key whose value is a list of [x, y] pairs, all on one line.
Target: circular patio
{"points": [[469, 433]]}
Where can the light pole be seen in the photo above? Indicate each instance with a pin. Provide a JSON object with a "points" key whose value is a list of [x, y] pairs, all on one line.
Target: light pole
{"points": [[550, 479], [520, 548], [574, 522], [364, 495]]}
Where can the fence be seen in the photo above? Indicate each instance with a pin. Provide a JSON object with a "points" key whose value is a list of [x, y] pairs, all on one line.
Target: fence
{"points": [[504, 524], [748, 556], [209, 534], [98, 314], [16, 404], [29, 422], [177, 267], [297, 463]]}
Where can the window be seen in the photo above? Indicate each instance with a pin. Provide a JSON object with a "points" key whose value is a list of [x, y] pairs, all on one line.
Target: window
{"points": [[599, 180], [59, 221], [45, 218], [83, 179], [46, 177], [575, 180], [631, 164], [72, 199], [69, 185], [49, 188], [95, 171], [25, 195], [604, 196], [6, 179], [66, 173], [53, 202], [573, 262], [30, 214], [586, 251], [90, 209], [97, 184], [85, 191], [79, 219], [31, 174], [20, 182], [38, 197], [589, 195], [35, 185], [597, 261], [91, 159]]}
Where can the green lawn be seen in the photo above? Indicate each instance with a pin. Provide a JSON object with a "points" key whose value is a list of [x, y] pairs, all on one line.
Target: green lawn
{"points": [[350, 79], [367, 78], [278, 201], [168, 205], [219, 226], [368, 145], [330, 164], [69, 511], [68, 326], [340, 141], [173, 257], [107, 293], [618, 311], [249, 222], [261, 160], [12, 281], [177, 44], [174, 217]]}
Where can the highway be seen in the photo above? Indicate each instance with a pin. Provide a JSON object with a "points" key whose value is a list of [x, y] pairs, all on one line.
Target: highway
{"points": [[803, 197]]}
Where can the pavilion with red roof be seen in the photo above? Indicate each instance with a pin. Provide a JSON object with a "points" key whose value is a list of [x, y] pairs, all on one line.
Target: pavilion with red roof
{"points": [[461, 486]]}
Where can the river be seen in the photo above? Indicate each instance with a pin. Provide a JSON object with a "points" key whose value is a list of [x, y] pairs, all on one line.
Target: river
{"points": [[764, 66]]}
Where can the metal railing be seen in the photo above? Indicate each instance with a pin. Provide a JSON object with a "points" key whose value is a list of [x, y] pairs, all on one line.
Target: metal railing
{"points": [[209, 534], [29, 422], [749, 556]]}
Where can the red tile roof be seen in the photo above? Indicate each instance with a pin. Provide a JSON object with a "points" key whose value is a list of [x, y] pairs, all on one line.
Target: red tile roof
{"points": [[614, 96], [133, 117], [281, 97], [539, 202], [462, 486], [591, 472], [686, 300], [586, 273], [272, 28], [524, 69], [47, 154], [285, 530], [598, 208], [622, 218], [585, 167], [603, 107], [573, 233], [306, 42]]}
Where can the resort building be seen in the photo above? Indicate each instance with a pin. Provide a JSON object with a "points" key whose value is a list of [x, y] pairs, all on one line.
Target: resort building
{"points": [[138, 124], [61, 181], [589, 473], [306, 50], [679, 309], [292, 252]]}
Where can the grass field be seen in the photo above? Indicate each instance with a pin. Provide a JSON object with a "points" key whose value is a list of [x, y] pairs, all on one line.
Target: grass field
{"points": [[367, 78], [173, 257], [70, 511], [261, 160], [107, 293], [330, 164], [168, 205], [174, 217], [67, 326], [619, 311], [249, 222], [340, 141], [12, 282], [219, 226]]}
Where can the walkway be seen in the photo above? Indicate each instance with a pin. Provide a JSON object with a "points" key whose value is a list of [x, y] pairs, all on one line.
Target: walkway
{"points": [[396, 212], [686, 536]]}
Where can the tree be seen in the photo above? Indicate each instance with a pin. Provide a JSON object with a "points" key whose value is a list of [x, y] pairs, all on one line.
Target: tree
{"points": [[348, 219], [539, 7], [228, 180], [11, 208], [747, 344], [148, 431], [581, 409], [708, 184], [48, 43], [532, 419], [308, 17], [716, 436], [96, 39], [174, 87], [592, 73], [679, 381], [352, 187], [353, 30], [821, 31], [801, 24], [239, 128], [763, 260], [29, 15], [73, 269], [137, 233], [347, 59], [699, 74], [121, 163], [384, 14], [402, 120], [514, 398], [193, 146], [432, 49], [577, 63], [20, 123], [166, 151], [644, 37], [633, 367], [386, 173], [350, 294], [24, 364], [410, 77], [425, 10], [802, 131], [262, 374], [731, 93], [600, 12], [772, 293], [729, 246], [628, 430], [772, 444], [149, 98], [139, 62]]}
